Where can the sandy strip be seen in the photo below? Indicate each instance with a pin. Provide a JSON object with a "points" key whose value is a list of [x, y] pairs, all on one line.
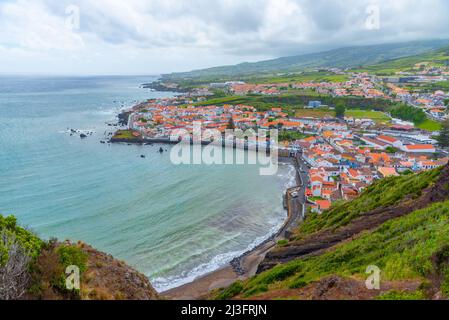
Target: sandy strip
{"points": [[221, 278]]}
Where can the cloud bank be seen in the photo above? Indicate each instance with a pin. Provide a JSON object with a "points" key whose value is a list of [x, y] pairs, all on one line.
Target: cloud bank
{"points": [[154, 36]]}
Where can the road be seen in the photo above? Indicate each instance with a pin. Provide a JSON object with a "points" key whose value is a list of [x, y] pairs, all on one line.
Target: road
{"points": [[297, 205]]}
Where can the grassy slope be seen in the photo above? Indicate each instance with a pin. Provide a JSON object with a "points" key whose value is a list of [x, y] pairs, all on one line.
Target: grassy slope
{"points": [[303, 77], [429, 125], [344, 57], [402, 248]]}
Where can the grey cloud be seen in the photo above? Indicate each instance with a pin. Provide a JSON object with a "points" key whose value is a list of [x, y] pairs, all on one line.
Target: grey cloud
{"points": [[236, 30]]}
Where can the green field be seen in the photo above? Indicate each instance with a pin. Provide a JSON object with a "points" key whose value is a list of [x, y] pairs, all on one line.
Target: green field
{"points": [[303, 77], [429, 125], [377, 116], [315, 113]]}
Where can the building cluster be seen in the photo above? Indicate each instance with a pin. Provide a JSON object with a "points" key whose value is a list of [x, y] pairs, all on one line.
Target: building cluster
{"points": [[343, 163], [360, 85], [158, 120]]}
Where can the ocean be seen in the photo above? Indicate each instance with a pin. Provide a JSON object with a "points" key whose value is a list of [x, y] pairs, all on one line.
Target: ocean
{"points": [[172, 223]]}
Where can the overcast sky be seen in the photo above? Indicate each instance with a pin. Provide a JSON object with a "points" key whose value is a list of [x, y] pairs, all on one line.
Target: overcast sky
{"points": [[160, 36]]}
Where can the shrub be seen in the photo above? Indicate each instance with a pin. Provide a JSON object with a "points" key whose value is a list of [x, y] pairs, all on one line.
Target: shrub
{"points": [[282, 243], [256, 290], [48, 271], [233, 290], [28, 241], [402, 295]]}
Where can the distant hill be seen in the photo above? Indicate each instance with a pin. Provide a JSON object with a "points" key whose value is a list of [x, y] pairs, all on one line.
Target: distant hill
{"points": [[437, 57], [349, 57]]}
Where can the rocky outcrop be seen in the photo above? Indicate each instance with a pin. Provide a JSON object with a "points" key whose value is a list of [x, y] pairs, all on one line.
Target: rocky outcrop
{"points": [[109, 279], [123, 118]]}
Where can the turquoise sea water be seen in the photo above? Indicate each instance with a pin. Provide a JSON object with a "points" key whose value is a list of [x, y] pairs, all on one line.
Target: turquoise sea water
{"points": [[172, 223]]}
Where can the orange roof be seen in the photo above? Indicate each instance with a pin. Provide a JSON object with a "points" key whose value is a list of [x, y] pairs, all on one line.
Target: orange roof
{"points": [[429, 163], [353, 172], [387, 138], [323, 204], [420, 147], [387, 172], [290, 123], [309, 139]]}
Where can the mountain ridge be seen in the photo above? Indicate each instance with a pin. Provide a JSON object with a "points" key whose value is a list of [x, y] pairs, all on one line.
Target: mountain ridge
{"points": [[346, 57]]}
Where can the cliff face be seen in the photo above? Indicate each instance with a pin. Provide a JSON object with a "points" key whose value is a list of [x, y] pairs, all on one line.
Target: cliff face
{"points": [[109, 279]]}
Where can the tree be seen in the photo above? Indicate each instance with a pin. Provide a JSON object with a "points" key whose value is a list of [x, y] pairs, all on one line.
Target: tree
{"points": [[14, 276], [391, 150], [340, 110], [443, 138], [408, 113]]}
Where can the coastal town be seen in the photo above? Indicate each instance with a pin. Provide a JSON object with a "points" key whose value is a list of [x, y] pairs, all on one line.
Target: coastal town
{"points": [[391, 128], [338, 153], [340, 157]]}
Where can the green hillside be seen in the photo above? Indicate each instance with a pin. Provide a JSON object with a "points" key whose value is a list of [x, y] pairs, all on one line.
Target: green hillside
{"points": [[344, 58], [438, 57], [411, 250]]}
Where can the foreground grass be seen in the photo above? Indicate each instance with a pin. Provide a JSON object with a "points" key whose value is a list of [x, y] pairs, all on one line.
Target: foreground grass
{"points": [[402, 248]]}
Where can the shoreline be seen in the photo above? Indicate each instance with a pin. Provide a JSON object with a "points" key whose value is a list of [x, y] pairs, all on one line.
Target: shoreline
{"points": [[242, 267]]}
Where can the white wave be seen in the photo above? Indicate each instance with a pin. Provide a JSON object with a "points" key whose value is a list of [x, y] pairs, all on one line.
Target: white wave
{"points": [[289, 176], [162, 284]]}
